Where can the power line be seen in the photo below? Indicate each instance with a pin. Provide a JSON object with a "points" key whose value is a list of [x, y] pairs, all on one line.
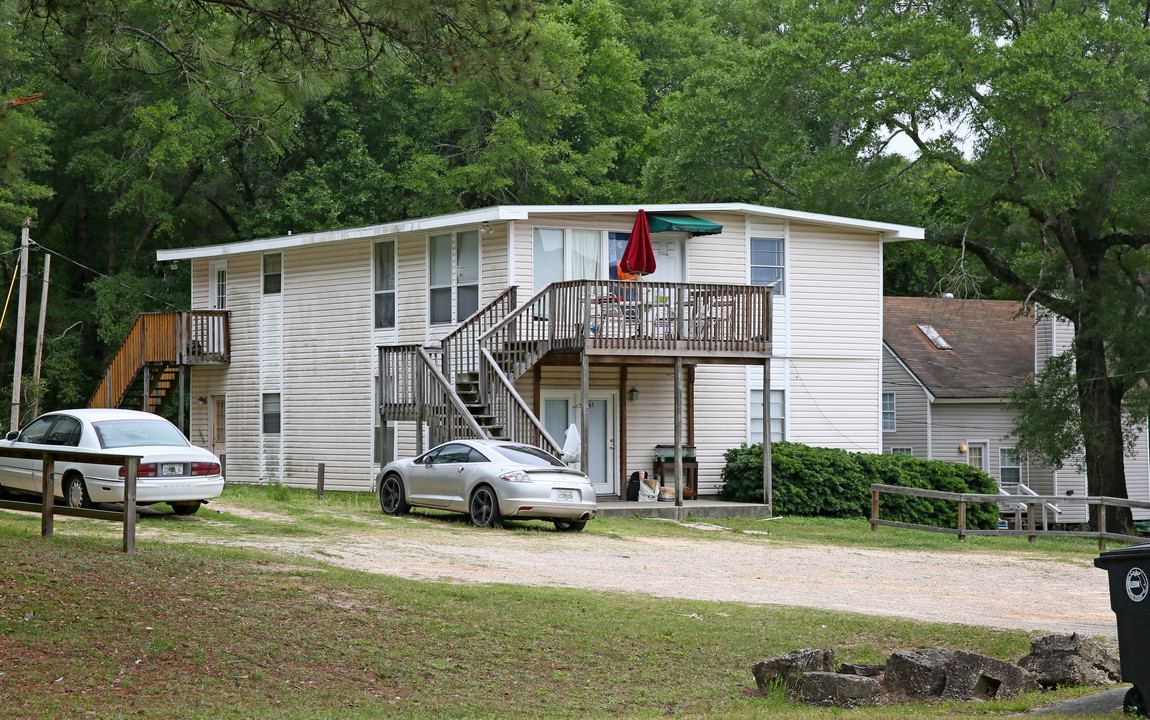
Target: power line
{"points": [[103, 275]]}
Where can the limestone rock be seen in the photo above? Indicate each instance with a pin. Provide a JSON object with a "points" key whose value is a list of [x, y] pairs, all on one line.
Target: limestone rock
{"points": [[1058, 660], [970, 676], [829, 688], [917, 673], [789, 667]]}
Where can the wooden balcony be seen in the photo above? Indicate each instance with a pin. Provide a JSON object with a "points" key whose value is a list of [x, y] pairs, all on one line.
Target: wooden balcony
{"points": [[637, 322]]}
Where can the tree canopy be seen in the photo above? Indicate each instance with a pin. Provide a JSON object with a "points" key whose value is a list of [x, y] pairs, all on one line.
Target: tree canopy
{"points": [[1021, 132]]}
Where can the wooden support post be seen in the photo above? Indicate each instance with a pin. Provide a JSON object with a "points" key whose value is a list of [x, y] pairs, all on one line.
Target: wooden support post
{"points": [[584, 411], [679, 431], [961, 519], [873, 510], [319, 482], [1101, 526], [1032, 521], [130, 472], [47, 495]]}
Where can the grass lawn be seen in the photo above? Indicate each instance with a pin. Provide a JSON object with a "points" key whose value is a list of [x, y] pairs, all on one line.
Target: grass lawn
{"points": [[186, 630]]}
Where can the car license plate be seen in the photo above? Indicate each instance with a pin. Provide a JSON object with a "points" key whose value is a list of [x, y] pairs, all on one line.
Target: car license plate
{"points": [[172, 469], [565, 495]]}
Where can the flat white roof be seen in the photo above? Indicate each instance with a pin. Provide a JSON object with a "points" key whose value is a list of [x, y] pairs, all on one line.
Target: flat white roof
{"points": [[887, 231]]}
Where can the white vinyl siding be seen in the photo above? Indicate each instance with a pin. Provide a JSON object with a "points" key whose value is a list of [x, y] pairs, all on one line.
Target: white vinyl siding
{"points": [[327, 373], [834, 316]]}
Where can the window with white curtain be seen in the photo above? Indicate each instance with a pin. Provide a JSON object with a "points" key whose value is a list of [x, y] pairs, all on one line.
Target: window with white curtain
{"points": [[778, 419], [453, 274], [566, 255], [1009, 466]]}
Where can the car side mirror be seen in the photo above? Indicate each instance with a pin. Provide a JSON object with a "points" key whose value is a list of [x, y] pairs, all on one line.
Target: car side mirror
{"points": [[12, 435]]}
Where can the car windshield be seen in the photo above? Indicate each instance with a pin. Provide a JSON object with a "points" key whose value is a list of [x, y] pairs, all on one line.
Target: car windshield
{"points": [[527, 455], [129, 433]]}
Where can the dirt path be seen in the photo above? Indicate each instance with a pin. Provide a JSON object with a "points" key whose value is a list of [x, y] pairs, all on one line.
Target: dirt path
{"points": [[1041, 595]]}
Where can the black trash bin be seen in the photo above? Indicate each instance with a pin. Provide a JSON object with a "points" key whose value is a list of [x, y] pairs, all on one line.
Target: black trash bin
{"points": [[1129, 570]]}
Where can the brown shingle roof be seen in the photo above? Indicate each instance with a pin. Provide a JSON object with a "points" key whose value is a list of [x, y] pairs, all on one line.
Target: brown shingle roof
{"points": [[992, 345]]}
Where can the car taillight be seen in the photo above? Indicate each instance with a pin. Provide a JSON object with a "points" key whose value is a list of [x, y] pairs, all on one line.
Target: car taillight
{"points": [[144, 470], [203, 468]]}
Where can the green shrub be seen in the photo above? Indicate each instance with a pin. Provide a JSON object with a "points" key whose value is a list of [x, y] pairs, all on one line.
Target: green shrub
{"points": [[822, 482]]}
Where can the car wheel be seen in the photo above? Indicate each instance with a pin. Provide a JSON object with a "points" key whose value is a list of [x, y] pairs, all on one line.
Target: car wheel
{"points": [[570, 525], [188, 508], [76, 492], [484, 507], [1134, 704], [391, 497]]}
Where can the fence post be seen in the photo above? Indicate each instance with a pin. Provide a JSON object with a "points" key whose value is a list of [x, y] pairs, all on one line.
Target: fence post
{"points": [[319, 483], [1032, 521], [131, 472], [961, 519], [1101, 525], [47, 497], [873, 509]]}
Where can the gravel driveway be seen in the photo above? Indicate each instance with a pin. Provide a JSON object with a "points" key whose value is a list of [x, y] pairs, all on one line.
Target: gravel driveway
{"points": [[1062, 596]]}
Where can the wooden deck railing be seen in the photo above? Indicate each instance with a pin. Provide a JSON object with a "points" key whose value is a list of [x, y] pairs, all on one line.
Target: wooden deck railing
{"points": [[612, 317], [503, 401], [176, 338], [412, 387], [461, 346], [1032, 501]]}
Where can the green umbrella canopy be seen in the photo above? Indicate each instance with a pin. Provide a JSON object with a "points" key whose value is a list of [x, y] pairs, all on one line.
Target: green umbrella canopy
{"points": [[683, 223]]}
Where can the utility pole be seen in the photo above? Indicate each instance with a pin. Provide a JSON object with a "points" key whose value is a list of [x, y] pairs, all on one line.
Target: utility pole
{"points": [[19, 360], [40, 334]]}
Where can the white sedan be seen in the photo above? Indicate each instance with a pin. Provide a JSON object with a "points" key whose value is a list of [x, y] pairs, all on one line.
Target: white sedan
{"points": [[490, 480], [171, 470]]}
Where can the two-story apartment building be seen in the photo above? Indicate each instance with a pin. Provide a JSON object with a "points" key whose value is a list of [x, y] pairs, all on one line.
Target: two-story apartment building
{"points": [[325, 329]]}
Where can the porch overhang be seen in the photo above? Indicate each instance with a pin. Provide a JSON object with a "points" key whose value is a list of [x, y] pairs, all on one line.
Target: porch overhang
{"points": [[682, 223]]}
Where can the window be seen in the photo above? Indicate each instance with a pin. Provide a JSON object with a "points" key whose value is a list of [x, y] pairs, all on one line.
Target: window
{"points": [[902, 451], [385, 285], [218, 285], [888, 424], [454, 275], [976, 456], [271, 413], [273, 273], [767, 262], [778, 410], [566, 255], [218, 420], [1009, 466]]}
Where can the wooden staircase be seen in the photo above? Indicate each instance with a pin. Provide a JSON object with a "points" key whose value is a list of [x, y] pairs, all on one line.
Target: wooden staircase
{"points": [[145, 373]]}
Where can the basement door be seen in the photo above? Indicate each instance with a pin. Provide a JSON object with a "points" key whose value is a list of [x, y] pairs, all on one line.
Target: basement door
{"points": [[561, 408]]}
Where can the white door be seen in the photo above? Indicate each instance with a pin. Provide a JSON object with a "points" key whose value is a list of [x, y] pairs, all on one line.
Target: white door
{"points": [[602, 461], [976, 455], [668, 249]]}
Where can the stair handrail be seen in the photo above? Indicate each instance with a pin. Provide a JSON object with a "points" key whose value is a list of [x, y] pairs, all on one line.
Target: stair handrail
{"points": [[461, 345], [492, 377], [437, 380]]}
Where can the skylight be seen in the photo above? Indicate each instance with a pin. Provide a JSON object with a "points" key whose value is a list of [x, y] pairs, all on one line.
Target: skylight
{"points": [[934, 337]]}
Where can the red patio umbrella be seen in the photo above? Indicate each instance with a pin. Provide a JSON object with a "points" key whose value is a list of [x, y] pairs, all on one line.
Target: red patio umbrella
{"points": [[638, 257]]}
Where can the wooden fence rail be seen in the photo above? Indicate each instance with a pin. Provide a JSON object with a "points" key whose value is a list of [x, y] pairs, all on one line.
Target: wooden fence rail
{"points": [[47, 505], [1033, 502]]}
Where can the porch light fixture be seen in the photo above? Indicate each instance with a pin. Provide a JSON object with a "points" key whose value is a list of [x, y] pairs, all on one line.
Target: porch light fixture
{"points": [[202, 400], [633, 394], [962, 448]]}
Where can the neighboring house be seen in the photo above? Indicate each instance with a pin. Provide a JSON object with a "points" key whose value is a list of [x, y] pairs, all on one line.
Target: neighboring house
{"points": [[307, 319], [948, 365]]}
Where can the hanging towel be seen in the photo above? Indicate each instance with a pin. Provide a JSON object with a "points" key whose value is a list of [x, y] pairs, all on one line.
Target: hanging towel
{"points": [[573, 445]]}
